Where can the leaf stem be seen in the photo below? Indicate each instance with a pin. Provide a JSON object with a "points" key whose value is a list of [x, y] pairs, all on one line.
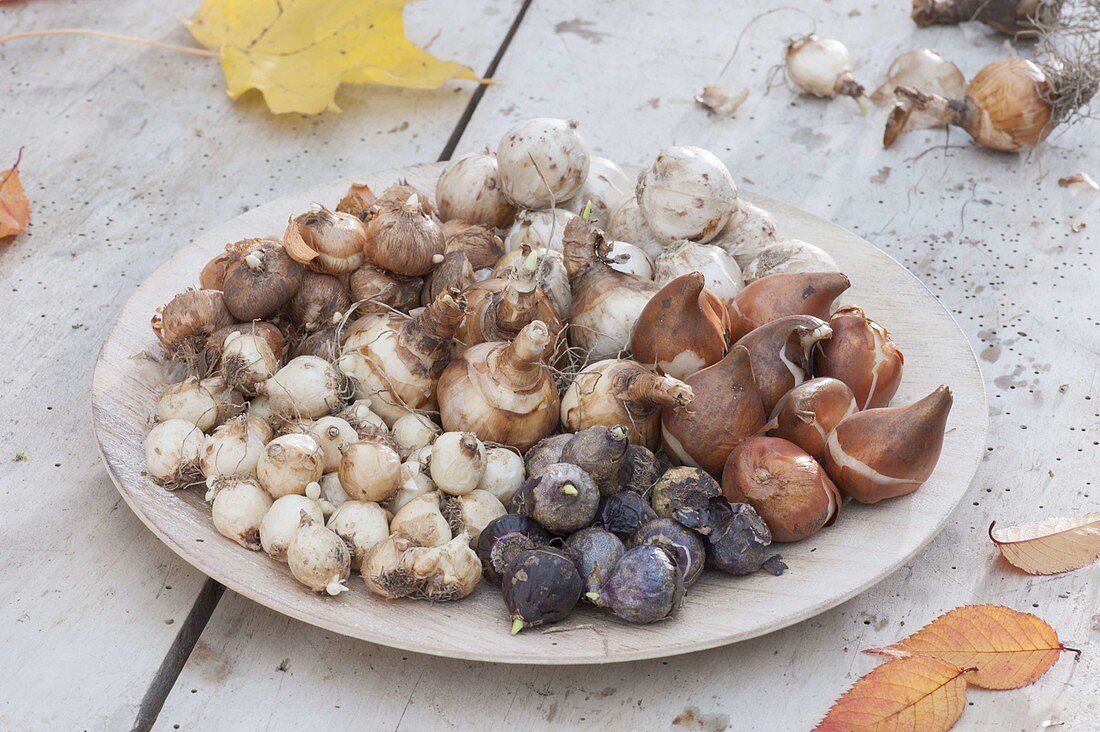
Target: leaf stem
{"points": [[1075, 651], [14, 167], [206, 53]]}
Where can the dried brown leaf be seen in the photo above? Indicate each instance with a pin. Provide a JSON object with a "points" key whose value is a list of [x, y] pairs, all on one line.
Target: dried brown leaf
{"points": [[1050, 546]]}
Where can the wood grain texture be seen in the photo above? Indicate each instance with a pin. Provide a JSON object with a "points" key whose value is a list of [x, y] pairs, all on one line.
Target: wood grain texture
{"points": [[128, 151], [865, 545], [989, 234]]}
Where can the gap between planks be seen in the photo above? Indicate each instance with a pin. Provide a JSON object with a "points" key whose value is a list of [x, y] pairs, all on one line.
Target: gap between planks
{"points": [[195, 623]]}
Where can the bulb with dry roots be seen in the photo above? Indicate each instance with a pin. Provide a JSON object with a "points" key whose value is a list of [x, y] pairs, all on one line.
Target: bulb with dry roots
{"points": [[721, 274], [412, 432], [290, 463], [422, 521], [361, 524], [687, 193], [888, 452], [246, 361], [172, 450], [502, 392], [320, 302], [235, 447], [1010, 105], [396, 362], [606, 302], [281, 522], [397, 567], [822, 67], [329, 242], [238, 509], [472, 512], [542, 162], [318, 557], [188, 319], [469, 189], [923, 69], [307, 386], [205, 403], [260, 279], [457, 462], [621, 392]]}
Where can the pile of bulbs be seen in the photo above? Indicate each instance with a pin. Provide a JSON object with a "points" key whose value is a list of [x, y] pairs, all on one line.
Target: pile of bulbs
{"points": [[492, 385]]}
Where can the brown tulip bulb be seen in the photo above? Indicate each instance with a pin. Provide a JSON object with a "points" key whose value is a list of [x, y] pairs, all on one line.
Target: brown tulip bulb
{"points": [[862, 355], [882, 453], [726, 409], [682, 329], [786, 486], [808, 413], [778, 295], [781, 354], [212, 276], [398, 193], [377, 291], [261, 280], [329, 242], [402, 238]]}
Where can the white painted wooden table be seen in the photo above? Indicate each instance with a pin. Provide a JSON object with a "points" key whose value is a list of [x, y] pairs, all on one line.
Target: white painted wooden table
{"points": [[129, 150]]}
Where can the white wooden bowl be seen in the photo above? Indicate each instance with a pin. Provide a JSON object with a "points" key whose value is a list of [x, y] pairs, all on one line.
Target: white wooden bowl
{"points": [[865, 545]]}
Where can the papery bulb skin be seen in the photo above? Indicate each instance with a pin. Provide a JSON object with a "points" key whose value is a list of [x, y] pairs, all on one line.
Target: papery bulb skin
{"points": [[502, 391], [888, 452], [626, 223], [482, 247], [749, 231], [614, 392], [261, 280], [1011, 17], [789, 256], [606, 187], [377, 290], [498, 309], [809, 412], [542, 162], [776, 296], [721, 273], [358, 201], [781, 353], [682, 329], [320, 298], [540, 229], [454, 273], [396, 362], [328, 242], [786, 486], [731, 410], [606, 302], [189, 315], [402, 238], [863, 356], [687, 193], [469, 190]]}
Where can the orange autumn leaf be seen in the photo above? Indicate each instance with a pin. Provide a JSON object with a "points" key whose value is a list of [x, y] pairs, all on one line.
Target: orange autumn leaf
{"points": [[15, 209], [1051, 546], [911, 693], [1007, 648]]}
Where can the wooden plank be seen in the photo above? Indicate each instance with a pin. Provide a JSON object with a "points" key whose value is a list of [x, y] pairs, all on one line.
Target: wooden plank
{"points": [[128, 150], [989, 234]]}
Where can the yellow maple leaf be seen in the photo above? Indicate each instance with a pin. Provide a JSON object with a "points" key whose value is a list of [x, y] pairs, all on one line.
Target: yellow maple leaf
{"points": [[297, 52]]}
